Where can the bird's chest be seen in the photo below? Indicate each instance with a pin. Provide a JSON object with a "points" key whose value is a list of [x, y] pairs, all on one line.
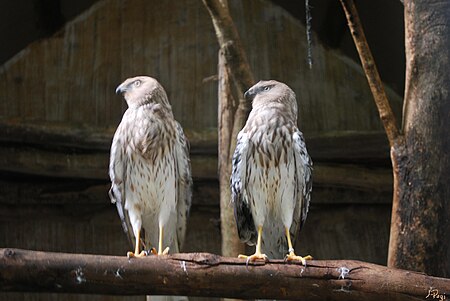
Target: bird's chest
{"points": [[270, 147], [147, 133], [152, 185], [270, 169]]}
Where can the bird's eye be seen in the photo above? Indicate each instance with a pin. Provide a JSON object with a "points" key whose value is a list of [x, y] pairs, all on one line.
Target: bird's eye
{"points": [[266, 88], [137, 83]]}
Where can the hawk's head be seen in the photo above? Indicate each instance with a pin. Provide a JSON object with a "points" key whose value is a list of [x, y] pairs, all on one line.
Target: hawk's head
{"points": [[268, 92], [141, 90]]}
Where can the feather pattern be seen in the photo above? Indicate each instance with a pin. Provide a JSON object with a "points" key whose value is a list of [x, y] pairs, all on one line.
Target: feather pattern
{"points": [[149, 166], [271, 174], [242, 209]]}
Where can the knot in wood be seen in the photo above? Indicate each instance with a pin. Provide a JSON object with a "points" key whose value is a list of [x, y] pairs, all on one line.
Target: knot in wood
{"points": [[9, 253], [206, 259]]}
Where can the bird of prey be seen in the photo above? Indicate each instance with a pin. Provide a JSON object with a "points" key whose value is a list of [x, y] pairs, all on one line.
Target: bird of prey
{"points": [[150, 169], [271, 175]]}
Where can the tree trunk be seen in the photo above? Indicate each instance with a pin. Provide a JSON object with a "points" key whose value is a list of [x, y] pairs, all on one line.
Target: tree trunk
{"points": [[234, 75], [420, 227], [420, 231], [231, 246]]}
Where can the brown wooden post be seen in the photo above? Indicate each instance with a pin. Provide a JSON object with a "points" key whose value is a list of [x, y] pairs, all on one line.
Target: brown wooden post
{"points": [[420, 230], [234, 76], [226, 110], [420, 226]]}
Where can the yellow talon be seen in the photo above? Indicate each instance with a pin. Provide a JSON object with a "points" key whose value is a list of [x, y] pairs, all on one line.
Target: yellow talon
{"points": [[136, 250], [254, 257], [258, 254], [160, 244], [291, 256], [141, 254]]}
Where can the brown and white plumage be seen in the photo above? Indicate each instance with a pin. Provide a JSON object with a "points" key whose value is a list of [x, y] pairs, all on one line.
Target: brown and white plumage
{"points": [[271, 175], [150, 169]]}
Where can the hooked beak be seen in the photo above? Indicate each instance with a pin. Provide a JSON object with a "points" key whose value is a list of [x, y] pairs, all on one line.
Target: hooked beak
{"points": [[250, 94], [121, 89]]}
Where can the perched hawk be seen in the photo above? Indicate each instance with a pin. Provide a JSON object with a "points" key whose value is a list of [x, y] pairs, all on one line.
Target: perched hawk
{"points": [[150, 169], [271, 176]]}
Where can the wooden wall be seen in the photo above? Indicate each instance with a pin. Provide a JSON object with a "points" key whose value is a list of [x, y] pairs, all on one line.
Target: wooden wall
{"points": [[58, 112], [71, 77]]}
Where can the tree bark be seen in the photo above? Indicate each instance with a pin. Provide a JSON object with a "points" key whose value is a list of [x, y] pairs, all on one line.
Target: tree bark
{"points": [[420, 226], [208, 275], [234, 72], [420, 231], [231, 246]]}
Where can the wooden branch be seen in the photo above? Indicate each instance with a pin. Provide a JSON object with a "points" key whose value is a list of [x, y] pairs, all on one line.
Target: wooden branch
{"points": [[234, 71], [236, 64], [237, 67], [376, 86], [231, 246], [208, 275], [229, 41]]}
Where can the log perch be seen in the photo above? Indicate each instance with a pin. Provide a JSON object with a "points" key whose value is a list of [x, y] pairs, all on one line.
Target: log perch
{"points": [[208, 275]]}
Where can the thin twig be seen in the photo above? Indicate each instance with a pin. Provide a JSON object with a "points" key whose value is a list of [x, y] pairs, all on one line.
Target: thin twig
{"points": [[376, 86]]}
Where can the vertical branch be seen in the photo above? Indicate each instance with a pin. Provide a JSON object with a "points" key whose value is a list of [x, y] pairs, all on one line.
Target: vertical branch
{"points": [[229, 41], [226, 110], [234, 72], [420, 155], [376, 86], [384, 109]]}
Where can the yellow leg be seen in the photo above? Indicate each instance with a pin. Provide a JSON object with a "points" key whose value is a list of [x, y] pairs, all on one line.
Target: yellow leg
{"points": [[160, 244], [161, 232], [291, 255], [258, 254], [136, 249]]}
